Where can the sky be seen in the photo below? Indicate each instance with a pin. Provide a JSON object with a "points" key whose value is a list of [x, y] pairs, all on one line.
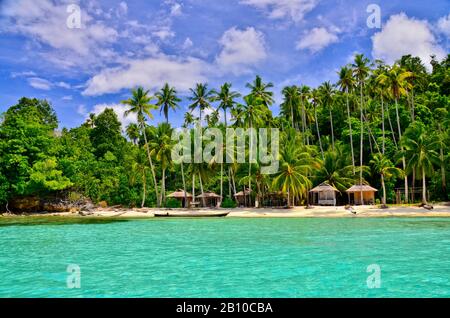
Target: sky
{"points": [[84, 56]]}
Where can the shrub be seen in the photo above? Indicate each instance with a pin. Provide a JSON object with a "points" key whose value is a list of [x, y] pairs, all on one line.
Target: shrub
{"points": [[228, 203], [173, 203]]}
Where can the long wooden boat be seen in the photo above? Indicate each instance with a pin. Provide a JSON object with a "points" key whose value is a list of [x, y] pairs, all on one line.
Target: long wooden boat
{"points": [[197, 214]]}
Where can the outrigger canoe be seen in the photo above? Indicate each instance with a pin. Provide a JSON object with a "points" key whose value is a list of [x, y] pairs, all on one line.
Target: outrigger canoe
{"points": [[172, 214]]}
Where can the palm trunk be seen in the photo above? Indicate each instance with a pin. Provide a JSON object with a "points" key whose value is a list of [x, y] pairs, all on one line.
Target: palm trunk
{"points": [[201, 189], [441, 157], [303, 123], [401, 148], [184, 185], [292, 116], [318, 133], [382, 126], [391, 127], [158, 203], [193, 187], [424, 186], [384, 189], [221, 184], [413, 197], [351, 134], [361, 155], [144, 187], [250, 162], [332, 129], [163, 188]]}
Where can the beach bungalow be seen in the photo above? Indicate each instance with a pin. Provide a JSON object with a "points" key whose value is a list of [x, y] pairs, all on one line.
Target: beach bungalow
{"points": [[244, 198], [179, 195], [368, 194], [211, 199], [324, 194]]}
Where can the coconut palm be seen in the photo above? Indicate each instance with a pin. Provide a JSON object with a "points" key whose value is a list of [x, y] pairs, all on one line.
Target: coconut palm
{"points": [[161, 145], [133, 133], [260, 90], [386, 169], [201, 99], [316, 100], [327, 93], [167, 99], [347, 84], [140, 105], [291, 103], [419, 147], [227, 99]]}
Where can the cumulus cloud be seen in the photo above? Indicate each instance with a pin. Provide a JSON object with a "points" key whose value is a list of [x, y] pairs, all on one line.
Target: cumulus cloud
{"points": [[403, 35], [443, 25], [280, 9], [316, 40], [118, 109], [46, 22], [241, 49], [150, 72]]}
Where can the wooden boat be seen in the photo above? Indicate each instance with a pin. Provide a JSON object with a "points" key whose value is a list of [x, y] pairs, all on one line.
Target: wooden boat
{"points": [[196, 214]]}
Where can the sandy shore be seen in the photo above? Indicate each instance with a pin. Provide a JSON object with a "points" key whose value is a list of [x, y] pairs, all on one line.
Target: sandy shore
{"points": [[297, 212]]}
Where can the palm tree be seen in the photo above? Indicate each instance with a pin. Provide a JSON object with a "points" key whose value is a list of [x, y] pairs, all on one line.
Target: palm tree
{"points": [[396, 80], [361, 71], [226, 97], [189, 119], [201, 98], [316, 100], [161, 147], [139, 104], [261, 90], [386, 169], [347, 84], [167, 99], [133, 133], [304, 92], [326, 90], [419, 148], [291, 102]]}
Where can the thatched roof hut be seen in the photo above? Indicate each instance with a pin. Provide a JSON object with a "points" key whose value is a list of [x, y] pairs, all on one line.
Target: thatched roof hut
{"points": [[324, 194], [211, 199], [368, 194], [244, 197], [180, 195]]}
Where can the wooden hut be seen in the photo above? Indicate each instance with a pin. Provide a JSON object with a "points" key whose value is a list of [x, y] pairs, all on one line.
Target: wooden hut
{"points": [[244, 198], [179, 195], [211, 199], [368, 194], [324, 194]]}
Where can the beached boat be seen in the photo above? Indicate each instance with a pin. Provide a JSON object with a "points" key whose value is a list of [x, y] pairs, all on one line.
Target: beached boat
{"points": [[196, 214]]}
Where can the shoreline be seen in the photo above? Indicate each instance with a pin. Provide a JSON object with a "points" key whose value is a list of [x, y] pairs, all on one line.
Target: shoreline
{"points": [[439, 210]]}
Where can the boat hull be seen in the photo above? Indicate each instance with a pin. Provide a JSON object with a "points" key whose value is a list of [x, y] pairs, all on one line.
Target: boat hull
{"points": [[191, 214]]}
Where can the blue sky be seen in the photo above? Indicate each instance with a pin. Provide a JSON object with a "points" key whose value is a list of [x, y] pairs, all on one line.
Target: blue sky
{"points": [[121, 44]]}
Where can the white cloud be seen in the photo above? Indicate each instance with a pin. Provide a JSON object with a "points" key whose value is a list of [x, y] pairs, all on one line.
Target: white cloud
{"points": [[187, 44], [81, 109], [316, 40], [118, 109], [23, 74], [46, 22], [401, 36], [241, 49], [280, 9], [151, 73], [175, 10], [443, 25], [40, 83], [165, 32], [67, 98]]}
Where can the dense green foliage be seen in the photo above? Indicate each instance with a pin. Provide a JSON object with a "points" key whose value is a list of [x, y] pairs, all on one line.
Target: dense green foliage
{"points": [[384, 125]]}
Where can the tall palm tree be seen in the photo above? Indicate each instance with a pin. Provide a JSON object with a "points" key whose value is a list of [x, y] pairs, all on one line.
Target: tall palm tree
{"points": [[396, 80], [201, 98], [227, 99], [167, 99], [347, 84], [290, 104], [304, 92], [361, 71], [161, 145], [419, 148], [133, 133], [386, 169], [260, 90], [189, 119], [140, 105], [326, 90], [316, 100]]}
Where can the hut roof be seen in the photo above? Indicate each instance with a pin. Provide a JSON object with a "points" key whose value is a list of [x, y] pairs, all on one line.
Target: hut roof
{"points": [[361, 188], [241, 193], [324, 187], [207, 195], [179, 195]]}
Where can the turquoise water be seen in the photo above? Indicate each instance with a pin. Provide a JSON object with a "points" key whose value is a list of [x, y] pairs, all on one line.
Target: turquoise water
{"points": [[225, 257]]}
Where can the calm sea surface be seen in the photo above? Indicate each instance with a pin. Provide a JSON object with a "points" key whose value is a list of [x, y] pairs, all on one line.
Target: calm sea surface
{"points": [[225, 257]]}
